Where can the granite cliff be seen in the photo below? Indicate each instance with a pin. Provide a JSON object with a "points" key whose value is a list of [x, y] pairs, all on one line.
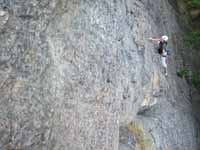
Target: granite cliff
{"points": [[82, 75]]}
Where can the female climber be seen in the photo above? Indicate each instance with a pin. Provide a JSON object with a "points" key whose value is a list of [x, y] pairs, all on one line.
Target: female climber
{"points": [[162, 42]]}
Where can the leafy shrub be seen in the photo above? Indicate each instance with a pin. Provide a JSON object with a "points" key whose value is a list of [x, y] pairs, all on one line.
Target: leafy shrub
{"points": [[195, 2], [192, 3], [183, 72], [196, 81], [193, 40]]}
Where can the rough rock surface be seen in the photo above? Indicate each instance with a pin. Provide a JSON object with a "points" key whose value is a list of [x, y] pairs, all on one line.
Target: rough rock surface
{"points": [[75, 73]]}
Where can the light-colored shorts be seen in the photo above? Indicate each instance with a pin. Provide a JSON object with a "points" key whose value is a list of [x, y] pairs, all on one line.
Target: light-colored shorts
{"points": [[163, 61]]}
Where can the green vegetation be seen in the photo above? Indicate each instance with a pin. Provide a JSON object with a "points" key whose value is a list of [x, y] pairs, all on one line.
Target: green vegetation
{"points": [[193, 40], [192, 3], [198, 136], [196, 80], [183, 72], [193, 43], [195, 2], [186, 73]]}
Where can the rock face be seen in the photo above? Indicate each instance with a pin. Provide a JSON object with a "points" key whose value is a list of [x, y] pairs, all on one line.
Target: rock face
{"points": [[75, 73]]}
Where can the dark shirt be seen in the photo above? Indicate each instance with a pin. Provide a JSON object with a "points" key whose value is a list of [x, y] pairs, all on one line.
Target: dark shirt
{"points": [[162, 45]]}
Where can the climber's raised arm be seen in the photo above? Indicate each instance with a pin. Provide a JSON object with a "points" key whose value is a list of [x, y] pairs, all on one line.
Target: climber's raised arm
{"points": [[155, 39], [163, 38]]}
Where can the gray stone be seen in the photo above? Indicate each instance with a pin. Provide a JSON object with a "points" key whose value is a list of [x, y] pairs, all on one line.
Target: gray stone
{"points": [[72, 72]]}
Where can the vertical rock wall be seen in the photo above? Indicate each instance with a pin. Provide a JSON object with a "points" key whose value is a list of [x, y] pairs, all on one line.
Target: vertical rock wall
{"points": [[74, 74]]}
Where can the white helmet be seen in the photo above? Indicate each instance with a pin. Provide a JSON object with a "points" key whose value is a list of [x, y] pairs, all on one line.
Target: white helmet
{"points": [[164, 38]]}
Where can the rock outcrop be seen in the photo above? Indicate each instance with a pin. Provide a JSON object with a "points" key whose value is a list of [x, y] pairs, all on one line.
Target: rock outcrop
{"points": [[75, 73]]}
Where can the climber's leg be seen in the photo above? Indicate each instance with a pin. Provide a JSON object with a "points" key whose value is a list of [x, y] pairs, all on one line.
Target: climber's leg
{"points": [[164, 64]]}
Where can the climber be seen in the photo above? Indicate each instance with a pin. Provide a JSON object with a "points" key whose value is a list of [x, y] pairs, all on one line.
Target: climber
{"points": [[162, 50]]}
